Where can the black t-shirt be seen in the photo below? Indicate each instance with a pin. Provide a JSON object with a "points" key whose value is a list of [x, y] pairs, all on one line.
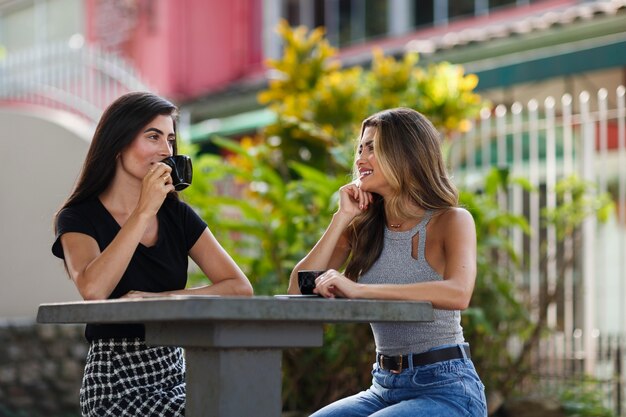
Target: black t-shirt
{"points": [[162, 267]]}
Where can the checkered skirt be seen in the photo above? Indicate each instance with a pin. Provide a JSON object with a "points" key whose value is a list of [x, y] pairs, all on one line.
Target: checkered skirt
{"points": [[126, 378]]}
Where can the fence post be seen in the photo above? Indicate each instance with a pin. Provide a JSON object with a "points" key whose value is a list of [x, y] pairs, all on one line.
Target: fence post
{"points": [[617, 375], [588, 239], [568, 243], [534, 255], [518, 194], [551, 249], [621, 140]]}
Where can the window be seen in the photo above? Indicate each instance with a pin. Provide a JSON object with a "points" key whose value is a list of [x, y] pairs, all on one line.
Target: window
{"points": [[352, 21], [376, 12], [346, 21], [493, 4], [424, 13], [292, 12], [460, 8]]}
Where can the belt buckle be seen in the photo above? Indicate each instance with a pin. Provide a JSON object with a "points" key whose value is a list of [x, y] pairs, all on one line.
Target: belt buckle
{"points": [[397, 369]]}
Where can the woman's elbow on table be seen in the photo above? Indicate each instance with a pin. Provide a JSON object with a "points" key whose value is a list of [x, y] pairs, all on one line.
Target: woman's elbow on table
{"points": [[462, 299], [238, 286], [244, 288], [91, 292]]}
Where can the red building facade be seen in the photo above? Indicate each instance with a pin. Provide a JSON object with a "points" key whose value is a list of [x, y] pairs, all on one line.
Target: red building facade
{"points": [[184, 49]]}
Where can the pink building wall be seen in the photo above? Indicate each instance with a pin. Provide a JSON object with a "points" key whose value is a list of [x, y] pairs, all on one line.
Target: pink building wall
{"points": [[185, 48]]}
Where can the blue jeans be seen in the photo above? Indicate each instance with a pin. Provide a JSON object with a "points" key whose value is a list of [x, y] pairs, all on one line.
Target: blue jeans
{"points": [[443, 389]]}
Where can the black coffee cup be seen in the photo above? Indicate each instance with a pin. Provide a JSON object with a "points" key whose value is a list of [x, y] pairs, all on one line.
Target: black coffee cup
{"points": [[181, 171], [306, 280]]}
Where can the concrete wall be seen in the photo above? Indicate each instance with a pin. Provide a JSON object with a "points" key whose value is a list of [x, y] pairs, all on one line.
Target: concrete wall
{"points": [[41, 153]]}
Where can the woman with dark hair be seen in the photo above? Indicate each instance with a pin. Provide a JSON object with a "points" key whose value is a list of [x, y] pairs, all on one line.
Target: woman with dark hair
{"points": [[401, 236], [123, 233]]}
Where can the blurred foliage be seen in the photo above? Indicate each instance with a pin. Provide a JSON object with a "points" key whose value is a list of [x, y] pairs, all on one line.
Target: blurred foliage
{"points": [[498, 311], [584, 399], [320, 105], [499, 318], [577, 200], [342, 367], [269, 198], [265, 223]]}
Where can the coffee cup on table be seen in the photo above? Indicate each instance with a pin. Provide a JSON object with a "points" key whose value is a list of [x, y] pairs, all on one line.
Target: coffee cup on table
{"points": [[181, 171], [306, 280]]}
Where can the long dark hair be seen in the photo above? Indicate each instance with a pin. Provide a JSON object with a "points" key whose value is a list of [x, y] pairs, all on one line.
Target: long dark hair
{"points": [[408, 150], [119, 125]]}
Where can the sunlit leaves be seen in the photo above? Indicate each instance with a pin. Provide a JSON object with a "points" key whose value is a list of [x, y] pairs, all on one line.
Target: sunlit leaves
{"points": [[315, 98]]}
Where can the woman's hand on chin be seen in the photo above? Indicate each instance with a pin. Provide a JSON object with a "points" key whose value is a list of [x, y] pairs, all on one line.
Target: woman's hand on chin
{"points": [[353, 200]]}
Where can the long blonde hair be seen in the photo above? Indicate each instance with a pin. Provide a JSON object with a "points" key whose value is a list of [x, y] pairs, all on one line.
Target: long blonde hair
{"points": [[408, 150]]}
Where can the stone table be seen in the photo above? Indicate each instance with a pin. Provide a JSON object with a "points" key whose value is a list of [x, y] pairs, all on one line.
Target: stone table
{"points": [[233, 345]]}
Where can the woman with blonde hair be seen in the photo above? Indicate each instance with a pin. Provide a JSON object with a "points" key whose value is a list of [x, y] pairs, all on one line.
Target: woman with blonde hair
{"points": [[401, 236]]}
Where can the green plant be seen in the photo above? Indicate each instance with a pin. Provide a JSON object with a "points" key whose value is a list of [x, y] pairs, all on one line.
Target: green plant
{"points": [[577, 199], [584, 399], [320, 105], [266, 224], [498, 311]]}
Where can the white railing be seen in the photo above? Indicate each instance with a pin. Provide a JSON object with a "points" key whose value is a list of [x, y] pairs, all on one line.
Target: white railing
{"points": [[554, 370], [545, 142], [82, 80]]}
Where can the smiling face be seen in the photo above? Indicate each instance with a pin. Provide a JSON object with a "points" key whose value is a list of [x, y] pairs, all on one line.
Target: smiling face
{"points": [[154, 143], [370, 175]]}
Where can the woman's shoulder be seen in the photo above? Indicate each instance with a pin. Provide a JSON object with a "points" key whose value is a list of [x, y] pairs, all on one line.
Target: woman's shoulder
{"points": [[453, 212], [176, 205], [453, 217], [181, 212], [86, 207]]}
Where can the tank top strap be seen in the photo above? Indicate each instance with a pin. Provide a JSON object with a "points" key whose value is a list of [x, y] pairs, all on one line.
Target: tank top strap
{"points": [[420, 229], [424, 222]]}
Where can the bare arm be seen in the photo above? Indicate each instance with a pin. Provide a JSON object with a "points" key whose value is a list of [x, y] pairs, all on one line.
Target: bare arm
{"points": [[453, 292], [95, 273], [333, 249], [226, 277]]}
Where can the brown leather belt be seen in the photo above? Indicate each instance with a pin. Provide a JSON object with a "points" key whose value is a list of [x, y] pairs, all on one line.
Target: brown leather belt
{"points": [[396, 364]]}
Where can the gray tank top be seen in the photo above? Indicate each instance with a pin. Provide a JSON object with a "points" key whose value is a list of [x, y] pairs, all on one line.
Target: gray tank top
{"points": [[396, 265]]}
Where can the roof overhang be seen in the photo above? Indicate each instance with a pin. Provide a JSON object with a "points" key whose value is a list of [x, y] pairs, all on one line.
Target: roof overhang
{"points": [[232, 125], [559, 61]]}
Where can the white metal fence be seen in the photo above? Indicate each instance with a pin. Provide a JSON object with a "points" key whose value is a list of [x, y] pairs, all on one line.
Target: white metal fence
{"points": [[545, 142], [82, 80], [553, 370]]}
